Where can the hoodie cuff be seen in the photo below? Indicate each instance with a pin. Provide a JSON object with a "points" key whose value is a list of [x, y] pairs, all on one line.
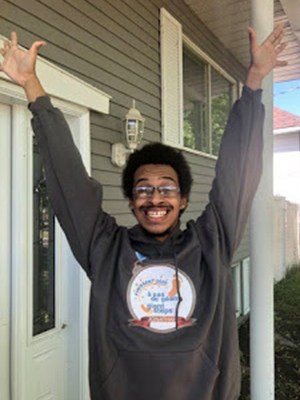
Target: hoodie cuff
{"points": [[252, 94], [41, 103]]}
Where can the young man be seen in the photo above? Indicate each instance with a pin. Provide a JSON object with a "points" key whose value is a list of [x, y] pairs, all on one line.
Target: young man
{"points": [[162, 314]]}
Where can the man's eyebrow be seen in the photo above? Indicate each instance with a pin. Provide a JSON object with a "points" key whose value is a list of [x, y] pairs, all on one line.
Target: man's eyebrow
{"points": [[168, 177], [141, 180], [161, 177]]}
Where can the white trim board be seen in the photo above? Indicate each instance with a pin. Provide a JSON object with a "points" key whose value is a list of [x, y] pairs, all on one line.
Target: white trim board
{"points": [[63, 85], [291, 129]]}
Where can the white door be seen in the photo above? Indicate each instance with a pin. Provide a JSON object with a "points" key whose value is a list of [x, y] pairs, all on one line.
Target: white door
{"points": [[37, 357], [46, 356]]}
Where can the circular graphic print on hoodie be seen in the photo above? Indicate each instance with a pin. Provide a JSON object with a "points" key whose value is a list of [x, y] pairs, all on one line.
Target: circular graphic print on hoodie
{"points": [[152, 298]]}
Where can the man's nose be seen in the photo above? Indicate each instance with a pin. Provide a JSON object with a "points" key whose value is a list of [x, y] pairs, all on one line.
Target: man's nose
{"points": [[156, 197]]}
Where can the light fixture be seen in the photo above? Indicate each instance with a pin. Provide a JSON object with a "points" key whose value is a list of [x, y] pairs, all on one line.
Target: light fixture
{"points": [[133, 128]]}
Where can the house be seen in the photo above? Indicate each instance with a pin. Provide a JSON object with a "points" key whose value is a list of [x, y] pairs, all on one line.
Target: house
{"points": [[286, 190], [286, 154], [182, 62]]}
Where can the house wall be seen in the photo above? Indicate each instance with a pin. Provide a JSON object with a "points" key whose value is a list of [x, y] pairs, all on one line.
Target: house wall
{"points": [[287, 165], [115, 46]]}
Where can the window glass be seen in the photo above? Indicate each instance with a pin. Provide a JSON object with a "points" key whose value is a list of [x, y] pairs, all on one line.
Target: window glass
{"points": [[221, 101], [195, 108], [207, 99], [43, 251], [236, 274]]}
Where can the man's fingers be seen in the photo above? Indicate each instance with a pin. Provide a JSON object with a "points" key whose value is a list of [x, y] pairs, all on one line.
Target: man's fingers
{"points": [[279, 38], [281, 48], [252, 39], [281, 63], [276, 33], [6, 45], [14, 39], [36, 45]]}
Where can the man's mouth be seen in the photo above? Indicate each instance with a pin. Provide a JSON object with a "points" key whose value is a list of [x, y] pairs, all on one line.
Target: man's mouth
{"points": [[155, 213]]}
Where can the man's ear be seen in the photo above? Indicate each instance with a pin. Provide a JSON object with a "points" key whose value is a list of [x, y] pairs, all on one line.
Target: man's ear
{"points": [[131, 205], [183, 203]]}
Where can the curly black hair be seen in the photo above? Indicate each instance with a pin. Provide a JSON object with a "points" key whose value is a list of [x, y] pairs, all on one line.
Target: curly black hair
{"points": [[157, 153]]}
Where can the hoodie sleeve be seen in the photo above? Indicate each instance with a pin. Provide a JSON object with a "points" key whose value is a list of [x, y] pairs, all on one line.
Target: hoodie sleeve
{"points": [[75, 197], [238, 172]]}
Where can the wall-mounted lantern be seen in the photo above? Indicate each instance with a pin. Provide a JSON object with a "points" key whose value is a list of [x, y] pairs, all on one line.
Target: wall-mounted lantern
{"points": [[133, 128]]}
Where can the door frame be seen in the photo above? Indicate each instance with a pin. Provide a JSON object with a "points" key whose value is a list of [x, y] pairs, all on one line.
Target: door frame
{"points": [[5, 252]]}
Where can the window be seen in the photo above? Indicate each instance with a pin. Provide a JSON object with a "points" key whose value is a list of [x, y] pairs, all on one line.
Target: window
{"points": [[236, 275], [241, 280], [196, 93]]}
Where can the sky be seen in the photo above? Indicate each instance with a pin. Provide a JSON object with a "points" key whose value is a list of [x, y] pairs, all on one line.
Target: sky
{"points": [[287, 96]]}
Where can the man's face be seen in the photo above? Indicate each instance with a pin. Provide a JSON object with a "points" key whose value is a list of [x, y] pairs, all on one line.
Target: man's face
{"points": [[158, 214]]}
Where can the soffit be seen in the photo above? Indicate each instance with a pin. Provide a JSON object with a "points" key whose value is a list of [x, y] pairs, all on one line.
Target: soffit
{"points": [[229, 19]]}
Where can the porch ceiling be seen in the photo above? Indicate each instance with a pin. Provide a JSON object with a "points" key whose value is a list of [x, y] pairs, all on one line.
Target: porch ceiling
{"points": [[229, 19]]}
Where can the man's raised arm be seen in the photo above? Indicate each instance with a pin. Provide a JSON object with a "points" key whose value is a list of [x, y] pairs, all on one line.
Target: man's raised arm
{"points": [[75, 197], [239, 165]]}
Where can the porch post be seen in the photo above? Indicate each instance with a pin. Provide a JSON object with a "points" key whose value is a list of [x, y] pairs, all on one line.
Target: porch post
{"points": [[262, 312]]}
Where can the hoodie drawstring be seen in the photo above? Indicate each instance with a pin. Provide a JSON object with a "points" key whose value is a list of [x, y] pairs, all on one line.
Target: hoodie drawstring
{"points": [[177, 284]]}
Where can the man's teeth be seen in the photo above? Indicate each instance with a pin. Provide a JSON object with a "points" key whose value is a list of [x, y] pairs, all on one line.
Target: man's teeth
{"points": [[156, 214]]}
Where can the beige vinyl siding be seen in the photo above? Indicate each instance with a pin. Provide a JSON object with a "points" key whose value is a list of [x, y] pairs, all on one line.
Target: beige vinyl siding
{"points": [[114, 45]]}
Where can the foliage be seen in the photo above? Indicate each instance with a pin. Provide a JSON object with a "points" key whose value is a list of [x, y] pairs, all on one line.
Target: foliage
{"points": [[197, 138], [220, 113], [287, 345]]}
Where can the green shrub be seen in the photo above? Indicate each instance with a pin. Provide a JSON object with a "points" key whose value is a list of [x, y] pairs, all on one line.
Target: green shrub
{"points": [[287, 349]]}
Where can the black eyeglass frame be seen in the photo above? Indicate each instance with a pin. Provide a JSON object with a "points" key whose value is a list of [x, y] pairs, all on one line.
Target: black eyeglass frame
{"points": [[173, 190]]}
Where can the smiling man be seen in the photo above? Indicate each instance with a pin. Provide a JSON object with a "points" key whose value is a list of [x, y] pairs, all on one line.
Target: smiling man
{"points": [[162, 310]]}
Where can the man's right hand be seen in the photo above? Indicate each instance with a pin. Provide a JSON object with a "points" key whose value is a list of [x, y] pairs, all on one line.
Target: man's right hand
{"points": [[19, 65]]}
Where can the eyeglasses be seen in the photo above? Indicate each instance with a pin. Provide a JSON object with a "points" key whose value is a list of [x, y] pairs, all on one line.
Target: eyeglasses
{"points": [[145, 192]]}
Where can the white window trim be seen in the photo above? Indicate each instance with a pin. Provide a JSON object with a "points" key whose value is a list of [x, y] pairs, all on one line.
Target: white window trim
{"points": [[75, 98], [196, 49], [182, 39], [246, 285]]}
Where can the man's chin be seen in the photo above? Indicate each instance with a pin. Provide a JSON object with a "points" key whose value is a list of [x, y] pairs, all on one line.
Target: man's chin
{"points": [[158, 233]]}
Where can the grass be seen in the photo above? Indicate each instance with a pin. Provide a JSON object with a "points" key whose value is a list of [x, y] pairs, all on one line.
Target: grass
{"points": [[287, 340]]}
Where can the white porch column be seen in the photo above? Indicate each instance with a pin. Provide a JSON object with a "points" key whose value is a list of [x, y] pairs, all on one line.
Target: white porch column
{"points": [[262, 314]]}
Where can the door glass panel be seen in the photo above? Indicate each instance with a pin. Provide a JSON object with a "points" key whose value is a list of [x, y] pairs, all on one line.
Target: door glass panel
{"points": [[43, 251]]}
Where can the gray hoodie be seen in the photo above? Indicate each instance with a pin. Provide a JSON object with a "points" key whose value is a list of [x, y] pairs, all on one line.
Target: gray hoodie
{"points": [[137, 350]]}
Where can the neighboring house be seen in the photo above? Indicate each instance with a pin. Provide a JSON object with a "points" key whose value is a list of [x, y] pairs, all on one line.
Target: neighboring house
{"points": [[184, 67], [286, 189], [286, 155]]}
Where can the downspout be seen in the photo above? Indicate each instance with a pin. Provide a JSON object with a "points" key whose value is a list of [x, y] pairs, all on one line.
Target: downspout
{"points": [[261, 240]]}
